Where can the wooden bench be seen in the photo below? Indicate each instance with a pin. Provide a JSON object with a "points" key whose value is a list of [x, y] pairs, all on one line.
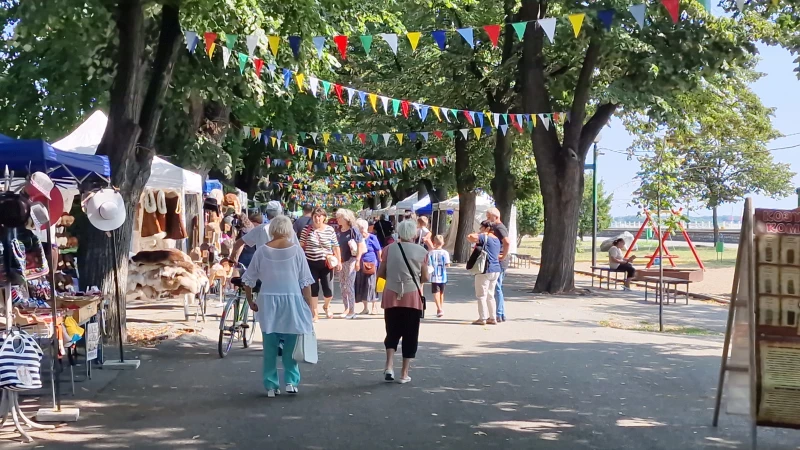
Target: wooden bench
{"points": [[518, 260], [668, 281], [609, 271]]}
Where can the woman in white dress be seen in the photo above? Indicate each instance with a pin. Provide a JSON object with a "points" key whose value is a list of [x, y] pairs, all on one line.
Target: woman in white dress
{"points": [[283, 305]]}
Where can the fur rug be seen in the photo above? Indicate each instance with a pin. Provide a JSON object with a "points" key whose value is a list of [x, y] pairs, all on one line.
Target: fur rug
{"points": [[164, 273]]}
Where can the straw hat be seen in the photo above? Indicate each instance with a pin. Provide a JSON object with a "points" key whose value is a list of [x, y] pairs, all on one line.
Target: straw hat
{"points": [[106, 210]]}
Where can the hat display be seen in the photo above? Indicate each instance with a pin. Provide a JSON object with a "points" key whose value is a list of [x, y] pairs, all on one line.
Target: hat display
{"points": [[106, 210], [39, 185], [40, 216], [211, 204]]}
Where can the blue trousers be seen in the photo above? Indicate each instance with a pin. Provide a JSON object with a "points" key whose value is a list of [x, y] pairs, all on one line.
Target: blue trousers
{"points": [[291, 370], [498, 296]]}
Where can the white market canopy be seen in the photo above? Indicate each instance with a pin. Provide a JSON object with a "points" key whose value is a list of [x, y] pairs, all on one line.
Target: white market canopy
{"points": [[163, 175], [408, 202], [482, 203]]}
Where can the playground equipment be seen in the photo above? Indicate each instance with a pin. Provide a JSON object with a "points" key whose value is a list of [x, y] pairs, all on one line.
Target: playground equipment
{"points": [[661, 250]]}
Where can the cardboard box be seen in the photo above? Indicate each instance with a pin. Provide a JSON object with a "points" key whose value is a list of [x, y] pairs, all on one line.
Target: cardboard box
{"points": [[82, 310]]}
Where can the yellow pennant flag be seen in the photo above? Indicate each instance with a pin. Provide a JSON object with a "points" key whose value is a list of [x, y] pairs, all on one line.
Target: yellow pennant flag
{"points": [[373, 100], [477, 131], [288, 164], [299, 77], [488, 115], [413, 38], [577, 22], [436, 111], [310, 153], [326, 137], [211, 49], [274, 140], [256, 133], [533, 118], [309, 165], [399, 137], [345, 159], [273, 44]]}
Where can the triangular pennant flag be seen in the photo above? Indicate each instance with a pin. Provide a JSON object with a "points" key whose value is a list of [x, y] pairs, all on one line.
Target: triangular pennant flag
{"points": [[338, 89], [545, 121], [326, 137], [390, 39], [412, 136], [519, 28], [404, 106], [287, 78], [493, 31], [326, 87], [366, 42], [385, 102], [226, 56], [577, 22], [246, 131], [548, 24], [606, 17], [341, 43], [477, 132], [374, 137], [480, 118], [445, 111], [230, 40], [504, 129], [274, 41], [436, 111], [468, 36], [319, 44], [363, 138], [487, 131], [362, 97], [470, 116], [496, 119], [274, 141], [350, 94], [413, 39], [637, 11], [313, 83], [395, 106], [425, 135], [191, 40], [252, 41], [314, 135], [440, 37], [373, 100], [259, 64], [350, 137], [242, 62], [464, 132], [450, 133], [399, 137], [271, 67], [423, 112], [294, 43], [299, 77], [210, 39], [302, 136], [673, 7]]}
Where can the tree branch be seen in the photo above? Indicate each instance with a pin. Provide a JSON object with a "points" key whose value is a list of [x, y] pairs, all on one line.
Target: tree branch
{"points": [[592, 128], [572, 130]]}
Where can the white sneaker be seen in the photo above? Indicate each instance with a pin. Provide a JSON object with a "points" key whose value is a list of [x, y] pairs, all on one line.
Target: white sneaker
{"points": [[351, 316], [273, 392], [344, 316], [291, 389], [404, 380], [388, 376]]}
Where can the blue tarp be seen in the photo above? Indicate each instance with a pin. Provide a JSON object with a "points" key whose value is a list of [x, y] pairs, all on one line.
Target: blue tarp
{"points": [[209, 185], [36, 155]]}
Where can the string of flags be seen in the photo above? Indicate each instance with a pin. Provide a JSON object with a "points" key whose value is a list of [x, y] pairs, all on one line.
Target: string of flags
{"points": [[343, 42], [332, 181], [356, 165]]}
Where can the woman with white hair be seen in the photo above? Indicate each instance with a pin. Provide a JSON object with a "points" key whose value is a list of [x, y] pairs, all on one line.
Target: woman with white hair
{"points": [[404, 267], [283, 306], [352, 247], [367, 277]]}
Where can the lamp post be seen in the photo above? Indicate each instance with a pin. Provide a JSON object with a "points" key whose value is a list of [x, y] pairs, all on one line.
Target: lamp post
{"points": [[594, 200]]}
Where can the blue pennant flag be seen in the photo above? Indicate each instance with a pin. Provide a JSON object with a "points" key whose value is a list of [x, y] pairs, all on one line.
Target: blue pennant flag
{"points": [[412, 136], [480, 119], [467, 34], [319, 44], [362, 97], [425, 135], [287, 78], [294, 43], [440, 37], [606, 16], [487, 131], [504, 129], [338, 137], [423, 112]]}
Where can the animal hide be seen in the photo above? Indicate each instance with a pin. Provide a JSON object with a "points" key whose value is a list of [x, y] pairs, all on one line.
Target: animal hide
{"points": [[164, 273]]}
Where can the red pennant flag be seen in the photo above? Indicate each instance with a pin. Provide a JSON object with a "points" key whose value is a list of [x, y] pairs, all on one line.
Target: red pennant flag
{"points": [[259, 64], [341, 42], [494, 33], [338, 89], [673, 7], [209, 38], [291, 148], [556, 116], [328, 156], [363, 138], [468, 116], [404, 104], [438, 134]]}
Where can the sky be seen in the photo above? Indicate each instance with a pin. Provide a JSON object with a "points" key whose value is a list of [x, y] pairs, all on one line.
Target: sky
{"points": [[779, 88]]}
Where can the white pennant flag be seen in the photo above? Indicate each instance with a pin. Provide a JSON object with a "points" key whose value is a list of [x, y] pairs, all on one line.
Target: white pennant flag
{"points": [[549, 26], [445, 111], [350, 136], [386, 137], [496, 119], [350, 93], [464, 132], [390, 39], [425, 135], [314, 136], [545, 121], [385, 102], [246, 131], [504, 129], [313, 84], [226, 56], [252, 40]]}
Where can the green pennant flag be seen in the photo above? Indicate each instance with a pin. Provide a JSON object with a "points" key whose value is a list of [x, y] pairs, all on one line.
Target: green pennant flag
{"points": [[395, 106], [451, 134], [530, 125], [374, 138], [366, 41], [505, 117], [326, 87], [520, 27], [230, 40], [242, 62], [302, 136], [285, 145]]}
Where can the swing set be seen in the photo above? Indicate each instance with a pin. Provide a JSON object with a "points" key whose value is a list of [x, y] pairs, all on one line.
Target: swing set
{"points": [[661, 250]]}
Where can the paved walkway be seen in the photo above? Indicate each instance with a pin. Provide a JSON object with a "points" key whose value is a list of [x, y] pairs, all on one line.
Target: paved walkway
{"points": [[554, 377]]}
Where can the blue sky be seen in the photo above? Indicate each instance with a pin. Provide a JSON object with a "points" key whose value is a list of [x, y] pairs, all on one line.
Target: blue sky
{"points": [[778, 89]]}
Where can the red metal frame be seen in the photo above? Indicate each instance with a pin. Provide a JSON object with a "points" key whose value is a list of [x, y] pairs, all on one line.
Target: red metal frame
{"points": [[662, 244]]}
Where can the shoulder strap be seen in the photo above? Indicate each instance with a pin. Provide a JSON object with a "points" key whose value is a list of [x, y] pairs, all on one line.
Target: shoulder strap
{"points": [[413, 275]]}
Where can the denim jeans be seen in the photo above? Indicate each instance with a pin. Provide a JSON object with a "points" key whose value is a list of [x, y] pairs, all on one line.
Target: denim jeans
{"points": [[291, 370], [498, 296]]}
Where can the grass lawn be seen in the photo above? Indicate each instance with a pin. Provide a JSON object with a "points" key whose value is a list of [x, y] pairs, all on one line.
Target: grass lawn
{"points": [[533, 247]]}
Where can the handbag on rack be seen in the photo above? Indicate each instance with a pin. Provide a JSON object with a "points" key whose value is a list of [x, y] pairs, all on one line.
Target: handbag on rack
{"points": [[35, 259], [20, 358], [305, 350]]}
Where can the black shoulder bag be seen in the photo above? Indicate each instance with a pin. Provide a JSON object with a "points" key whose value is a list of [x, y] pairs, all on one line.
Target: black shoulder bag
{"points": [[416, 283]]}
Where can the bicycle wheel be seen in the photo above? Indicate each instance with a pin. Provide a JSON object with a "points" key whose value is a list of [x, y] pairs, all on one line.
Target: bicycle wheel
{"points": [[227, 328], [244, 316], [251, 332]]}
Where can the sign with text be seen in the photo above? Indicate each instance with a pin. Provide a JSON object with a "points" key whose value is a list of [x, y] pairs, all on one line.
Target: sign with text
{"points": [[92, 340]]}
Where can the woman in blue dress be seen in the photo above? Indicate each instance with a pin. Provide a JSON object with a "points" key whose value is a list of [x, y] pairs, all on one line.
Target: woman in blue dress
{"points": [[283, 306]]}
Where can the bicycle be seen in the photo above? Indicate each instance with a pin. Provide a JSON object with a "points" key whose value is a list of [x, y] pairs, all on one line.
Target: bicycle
{"points": [[236, 321]]}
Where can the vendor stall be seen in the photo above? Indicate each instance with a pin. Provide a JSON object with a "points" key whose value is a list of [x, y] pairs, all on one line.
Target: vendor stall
{"points": [[482, 203]]}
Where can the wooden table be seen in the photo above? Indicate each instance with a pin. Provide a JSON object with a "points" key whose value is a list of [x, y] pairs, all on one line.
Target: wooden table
{"points": [[668, 281]]}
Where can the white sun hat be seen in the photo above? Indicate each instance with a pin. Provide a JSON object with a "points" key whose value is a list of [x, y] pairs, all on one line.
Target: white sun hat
{"points": [[106, 210]]}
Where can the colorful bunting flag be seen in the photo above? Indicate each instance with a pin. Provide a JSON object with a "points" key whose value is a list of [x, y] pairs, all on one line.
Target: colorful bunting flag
{"points": [[468, 36], [440, 37], [294, 44], [673, 7], [273, 42], [477, 132], [299, 77], [390, 39], [548, 24], [341, 43], [395, 106], [226, 56], [519, 28], [319, 44], [493, 31], [577, 22], [258, 63], [230, 40], [385, 103], [243, 62], [210, 39], [606, 17], [399, 137], [366, 42], [373, 100], [413, 39], [287, 77], [252, 41], [191, 40], [638, 11], [313, 83]]}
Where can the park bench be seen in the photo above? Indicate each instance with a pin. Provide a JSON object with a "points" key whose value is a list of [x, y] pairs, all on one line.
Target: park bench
{"points": [[518, 261], [668, 281], [607, 270]]}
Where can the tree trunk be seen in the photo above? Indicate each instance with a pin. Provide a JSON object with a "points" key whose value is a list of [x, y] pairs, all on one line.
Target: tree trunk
{"points": [[465, 183], [716, 225], [135, 110], [503, 189]]}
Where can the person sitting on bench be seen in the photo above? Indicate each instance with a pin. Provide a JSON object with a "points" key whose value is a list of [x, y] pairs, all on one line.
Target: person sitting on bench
{"points": [[617, 263]]}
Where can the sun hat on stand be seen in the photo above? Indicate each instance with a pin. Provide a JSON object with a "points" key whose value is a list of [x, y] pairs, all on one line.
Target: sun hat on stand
{"points": [[39, 186], [105, 209]]}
